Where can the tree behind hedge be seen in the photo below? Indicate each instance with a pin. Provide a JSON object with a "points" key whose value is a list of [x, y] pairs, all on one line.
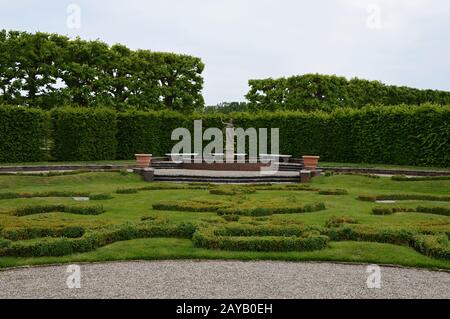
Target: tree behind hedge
{"points": [[327, 92], [50, 70]]}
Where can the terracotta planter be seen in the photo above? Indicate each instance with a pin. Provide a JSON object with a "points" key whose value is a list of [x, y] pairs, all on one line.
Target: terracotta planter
{"points": [[310, 162], [143, 160]]}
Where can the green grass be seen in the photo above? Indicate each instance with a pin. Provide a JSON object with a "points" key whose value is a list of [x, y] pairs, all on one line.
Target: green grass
{"points": [[123, 208], [383, 166]]}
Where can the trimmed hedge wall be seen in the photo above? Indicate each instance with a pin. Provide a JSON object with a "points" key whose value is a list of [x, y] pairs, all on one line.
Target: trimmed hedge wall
{"points": [[83, 134], [403, 135], [147, 132], [23, 134]]}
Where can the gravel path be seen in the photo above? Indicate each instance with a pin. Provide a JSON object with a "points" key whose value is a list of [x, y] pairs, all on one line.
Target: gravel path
{"points": [[222, 279]]}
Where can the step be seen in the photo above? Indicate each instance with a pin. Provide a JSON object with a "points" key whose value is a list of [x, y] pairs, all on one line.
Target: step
{"points": [[209, 179]]}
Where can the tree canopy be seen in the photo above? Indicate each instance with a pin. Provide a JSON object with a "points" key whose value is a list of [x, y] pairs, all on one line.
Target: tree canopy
{"points": [[326, 92], [50, 70]]}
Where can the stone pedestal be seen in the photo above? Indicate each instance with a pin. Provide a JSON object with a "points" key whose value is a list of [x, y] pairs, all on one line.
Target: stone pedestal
{"points": [[305, 176], [148, 174], [316, 172]]}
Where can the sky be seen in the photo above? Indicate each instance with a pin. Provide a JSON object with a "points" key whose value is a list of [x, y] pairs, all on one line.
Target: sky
{"points": [[401, 42]]}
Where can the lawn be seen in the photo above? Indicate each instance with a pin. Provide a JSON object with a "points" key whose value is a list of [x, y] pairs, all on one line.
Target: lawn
{"points": [[279, 222]]}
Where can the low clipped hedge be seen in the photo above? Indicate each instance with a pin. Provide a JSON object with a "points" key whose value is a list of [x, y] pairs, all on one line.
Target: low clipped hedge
{"points": [[190, 205], [245, 230], [390, 211], [41, 209], [262, 211], [353, 233], [230, 191], [4, 243], [374, 198], [231, 218], [11, 195], [127, 191], [333, 192], [101, 196], [434, 210], [432, 245], [204, 239], [39, 232], [335, 221], [93, 240], [426, 210], [155, 187]]}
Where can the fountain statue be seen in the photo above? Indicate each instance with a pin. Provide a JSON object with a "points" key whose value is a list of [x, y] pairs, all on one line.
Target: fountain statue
{"points": [[229, 141]]}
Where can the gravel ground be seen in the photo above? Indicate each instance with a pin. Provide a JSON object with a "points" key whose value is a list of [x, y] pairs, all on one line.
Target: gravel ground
{"points": [[222, 279]]}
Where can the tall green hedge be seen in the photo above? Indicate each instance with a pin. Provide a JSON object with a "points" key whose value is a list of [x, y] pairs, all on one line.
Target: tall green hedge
{"points": [[23, 134], [405, 135], [146, 132], [81, 134]]}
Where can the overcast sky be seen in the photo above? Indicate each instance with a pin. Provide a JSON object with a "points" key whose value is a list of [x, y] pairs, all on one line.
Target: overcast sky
{"points": [[404, 42]]}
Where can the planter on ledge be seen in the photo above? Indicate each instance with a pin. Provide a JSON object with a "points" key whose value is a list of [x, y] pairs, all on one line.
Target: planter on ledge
{"points": [[310, 162], [143, 160]]}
